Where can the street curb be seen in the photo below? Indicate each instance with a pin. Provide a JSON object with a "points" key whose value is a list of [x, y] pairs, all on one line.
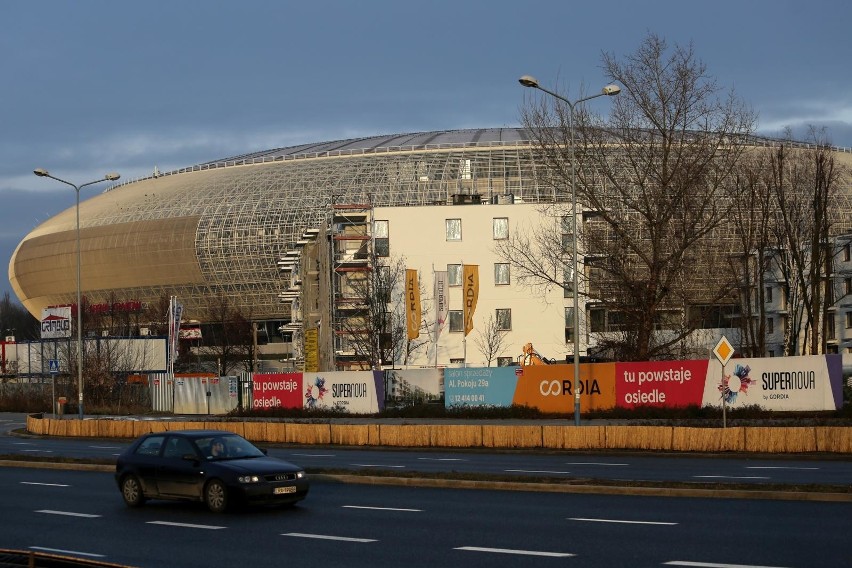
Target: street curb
{"points": [[449, 483], [591, 489]]}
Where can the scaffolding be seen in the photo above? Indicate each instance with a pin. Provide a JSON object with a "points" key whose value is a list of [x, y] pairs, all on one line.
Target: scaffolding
{"points": [[352, 264]]}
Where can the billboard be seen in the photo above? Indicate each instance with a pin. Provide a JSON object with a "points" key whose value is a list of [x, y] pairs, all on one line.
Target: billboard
{"points": [[276, 390], [777, 383], [56, 323], [783, 384], [550, 388], [660, 383], [359, 392]]}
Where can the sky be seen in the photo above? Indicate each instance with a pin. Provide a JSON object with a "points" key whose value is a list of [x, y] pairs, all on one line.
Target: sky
{"points": [[96, 86]]}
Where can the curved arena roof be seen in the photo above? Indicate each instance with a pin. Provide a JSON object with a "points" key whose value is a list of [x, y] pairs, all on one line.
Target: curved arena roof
{"points": [[219, 228]]}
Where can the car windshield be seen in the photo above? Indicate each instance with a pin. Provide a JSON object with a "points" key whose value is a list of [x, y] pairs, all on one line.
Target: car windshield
{"points": [[227, 447]]}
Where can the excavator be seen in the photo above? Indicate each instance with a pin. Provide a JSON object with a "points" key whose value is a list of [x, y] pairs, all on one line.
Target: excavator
{"points": [[532, 357]]}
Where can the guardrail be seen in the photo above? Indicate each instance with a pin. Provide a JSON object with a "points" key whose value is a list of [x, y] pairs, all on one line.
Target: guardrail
{"points": [[754, 439], [33, 559]]}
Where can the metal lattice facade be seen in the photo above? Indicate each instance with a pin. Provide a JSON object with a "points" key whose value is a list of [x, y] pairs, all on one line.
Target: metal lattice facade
{"points": [[220, 228]]}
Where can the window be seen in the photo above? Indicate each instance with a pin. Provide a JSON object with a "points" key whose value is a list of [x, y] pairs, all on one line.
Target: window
{"points": [[847, 252], [454, 274], [505, 361], [848, 320], [381, 233], [151, 446], [770, 325], [504, 319], [178, 447], [830, 325], [383, 247], [847, 286], [500, 228], [454, 229], [568, 281], [501, 273], [569, 325], [456, 321], [768, 294], [381, 229], [567, 235]]}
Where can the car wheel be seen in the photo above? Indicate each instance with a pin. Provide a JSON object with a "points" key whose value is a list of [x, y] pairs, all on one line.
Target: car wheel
{"points": [[216, 496], [131, 490]]}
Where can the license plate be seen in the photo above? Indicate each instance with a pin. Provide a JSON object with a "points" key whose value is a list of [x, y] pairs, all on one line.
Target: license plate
{"points": [[284, 490]]}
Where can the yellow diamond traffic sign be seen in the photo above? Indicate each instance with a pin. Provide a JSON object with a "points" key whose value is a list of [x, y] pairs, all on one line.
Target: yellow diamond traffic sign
{"points": [[723, 350]]}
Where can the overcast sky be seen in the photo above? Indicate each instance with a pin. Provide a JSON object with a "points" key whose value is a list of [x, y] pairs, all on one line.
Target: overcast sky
{"points": [[91, 87]]}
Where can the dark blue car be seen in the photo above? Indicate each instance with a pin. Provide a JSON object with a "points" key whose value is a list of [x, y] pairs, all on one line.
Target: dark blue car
{"points": [[218, 468]]}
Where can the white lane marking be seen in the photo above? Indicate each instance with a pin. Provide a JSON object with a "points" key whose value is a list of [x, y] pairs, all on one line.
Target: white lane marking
{"points": [[43, 451], [381, 508], [778, 467], [314, 455], [61, 551], [330, 537], [513, 551], [713, 565], [595, 463], [106, 447], [68, 514], [443, 459], [185, 525], [533, 471], [731, 477], [22, 443], [44, 484], [376, 465], [621, 521]]}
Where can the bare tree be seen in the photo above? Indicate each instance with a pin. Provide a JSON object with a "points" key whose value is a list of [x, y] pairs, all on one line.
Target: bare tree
{"points": [[228, 335], [754, 215], [655, 181], [16, 319], [490, 340], [375, 324], [804, 183]]}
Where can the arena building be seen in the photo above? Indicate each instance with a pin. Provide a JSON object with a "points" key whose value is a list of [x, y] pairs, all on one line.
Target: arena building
{"points": [[231, 229]]}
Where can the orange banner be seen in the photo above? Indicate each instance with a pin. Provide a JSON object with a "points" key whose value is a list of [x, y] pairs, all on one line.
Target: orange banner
{"points": [[471, 294], [412, 304], [550, 388]]}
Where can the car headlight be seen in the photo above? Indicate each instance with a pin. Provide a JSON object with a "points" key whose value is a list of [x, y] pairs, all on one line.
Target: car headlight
{"points": [[248, 479], [300, 474]]}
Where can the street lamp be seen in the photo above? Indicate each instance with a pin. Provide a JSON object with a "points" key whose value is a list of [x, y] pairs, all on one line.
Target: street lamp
{"points": [[609, 90], [108, 177]]}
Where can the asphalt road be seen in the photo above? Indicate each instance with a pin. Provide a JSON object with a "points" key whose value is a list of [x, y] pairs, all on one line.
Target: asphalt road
{"points": [[802, 472], [81, 514]]}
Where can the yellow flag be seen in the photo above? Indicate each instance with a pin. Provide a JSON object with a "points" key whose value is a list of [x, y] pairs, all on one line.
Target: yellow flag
{"points": [[312, 350], [471, 294], [412, 303]]}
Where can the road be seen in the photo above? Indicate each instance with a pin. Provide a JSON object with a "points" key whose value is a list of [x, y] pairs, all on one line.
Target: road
{"points": [[81, 514], [633, 467]]}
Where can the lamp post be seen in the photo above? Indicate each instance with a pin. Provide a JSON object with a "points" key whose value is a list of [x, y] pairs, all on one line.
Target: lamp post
{"points": [[108, 177], [609, 90]]}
